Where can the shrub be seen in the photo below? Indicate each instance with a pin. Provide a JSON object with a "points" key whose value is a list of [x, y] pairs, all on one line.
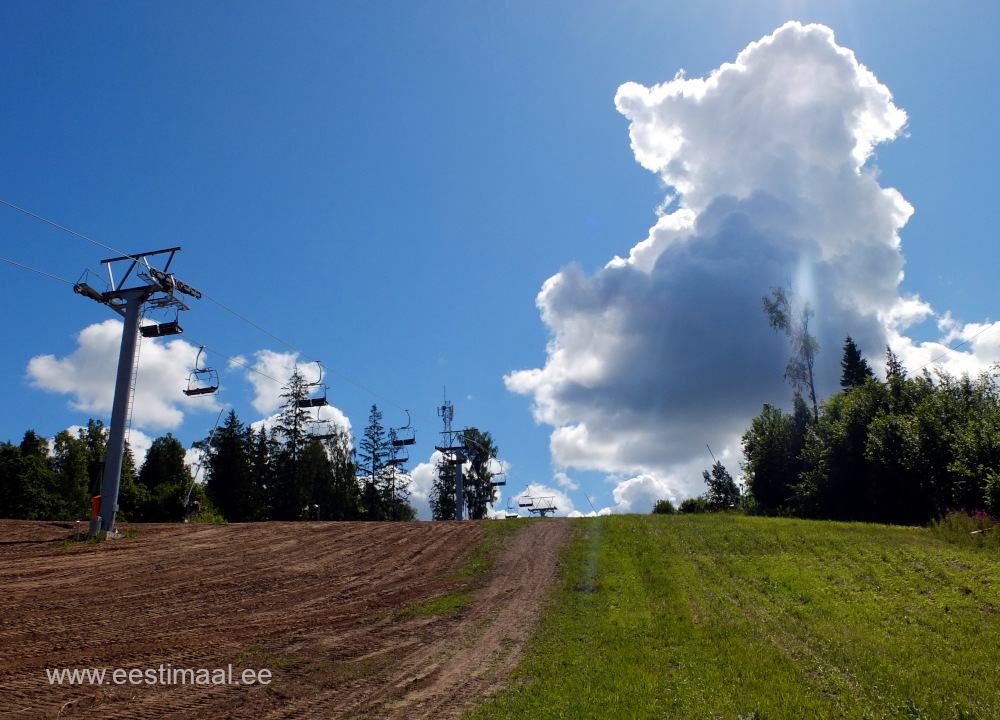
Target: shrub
{"points": [[695, 505], [977, 528], [208, 515], [664, 507]]}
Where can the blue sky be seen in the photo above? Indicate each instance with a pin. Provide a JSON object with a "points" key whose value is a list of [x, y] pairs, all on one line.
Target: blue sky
{"points": [[386, 188]]}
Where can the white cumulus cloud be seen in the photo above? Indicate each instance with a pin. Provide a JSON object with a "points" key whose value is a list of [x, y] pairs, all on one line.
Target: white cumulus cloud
{"points": [[88, 373], [421, 483], [539, 496], [766, 163], [639, 494]]}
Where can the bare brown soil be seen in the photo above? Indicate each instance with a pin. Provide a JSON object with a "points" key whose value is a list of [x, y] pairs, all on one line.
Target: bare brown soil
{"points": [[324, 606]]}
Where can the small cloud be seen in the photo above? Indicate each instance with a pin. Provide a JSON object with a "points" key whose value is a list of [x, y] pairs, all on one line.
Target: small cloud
{"points": [[565, 481], [640, 493], [543, 496], [422, 483]]}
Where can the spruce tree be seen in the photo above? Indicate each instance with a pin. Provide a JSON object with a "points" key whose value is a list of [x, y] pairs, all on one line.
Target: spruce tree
{"points": [[229, 481], [398, 489], [263, 449], [373, 456], [338, 496], [856, 370], [290, 489], [723, 492], [893, 367]]}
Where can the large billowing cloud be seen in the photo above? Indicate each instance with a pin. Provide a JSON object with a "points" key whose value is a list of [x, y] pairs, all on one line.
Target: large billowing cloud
{"points": [[88, 376], [766, 165]]}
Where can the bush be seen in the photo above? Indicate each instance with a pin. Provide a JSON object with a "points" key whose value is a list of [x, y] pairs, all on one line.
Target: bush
{"points": [[978, 528], [695, 505], [664, 507], [208, 515]]}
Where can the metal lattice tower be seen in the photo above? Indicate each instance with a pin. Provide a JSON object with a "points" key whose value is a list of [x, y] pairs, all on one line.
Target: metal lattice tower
{"points": [[155, 289], [453, 449]]}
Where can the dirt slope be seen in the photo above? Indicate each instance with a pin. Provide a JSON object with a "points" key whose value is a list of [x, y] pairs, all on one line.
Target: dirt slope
{"points": [[319, 604]]}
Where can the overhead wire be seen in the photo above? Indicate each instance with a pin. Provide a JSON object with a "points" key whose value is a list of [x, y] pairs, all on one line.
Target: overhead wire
{"points": [[956, 347]]}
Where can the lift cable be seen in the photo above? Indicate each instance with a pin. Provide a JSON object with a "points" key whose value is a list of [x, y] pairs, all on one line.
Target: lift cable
{"points": [[255, 325], [54, 277], [71, 232], [250, 368], [956, 347], [304, 354]]}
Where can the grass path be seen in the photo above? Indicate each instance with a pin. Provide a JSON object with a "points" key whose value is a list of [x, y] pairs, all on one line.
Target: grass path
{"points": [[728, 616]]}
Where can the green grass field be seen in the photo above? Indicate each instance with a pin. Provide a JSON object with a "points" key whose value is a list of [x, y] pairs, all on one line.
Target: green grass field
{"points": [[729, 616]]}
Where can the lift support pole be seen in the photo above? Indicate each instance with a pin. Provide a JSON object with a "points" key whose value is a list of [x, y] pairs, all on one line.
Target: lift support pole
{"points": [[459, 487], [156, 288], [111, 483]]}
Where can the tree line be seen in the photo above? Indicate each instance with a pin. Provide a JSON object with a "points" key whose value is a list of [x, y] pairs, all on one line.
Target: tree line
{"points": [[298, 470], [39, 482], [900, 450]]}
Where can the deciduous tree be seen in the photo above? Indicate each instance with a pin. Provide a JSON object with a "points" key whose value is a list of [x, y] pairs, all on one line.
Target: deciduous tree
{"points": [[791, 317]]}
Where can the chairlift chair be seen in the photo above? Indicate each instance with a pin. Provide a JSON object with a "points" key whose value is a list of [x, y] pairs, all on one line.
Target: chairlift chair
{"points": [[408, 437], [543, 505], [162, 329], [202, 380], [326, 430], [318, 400]]}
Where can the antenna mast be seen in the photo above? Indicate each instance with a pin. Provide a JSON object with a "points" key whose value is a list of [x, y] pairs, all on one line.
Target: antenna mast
{"points": [[454, 452]]}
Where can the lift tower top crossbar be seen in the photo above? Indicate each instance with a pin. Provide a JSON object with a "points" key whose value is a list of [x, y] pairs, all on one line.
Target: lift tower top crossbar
{"points": [[141, 285]]}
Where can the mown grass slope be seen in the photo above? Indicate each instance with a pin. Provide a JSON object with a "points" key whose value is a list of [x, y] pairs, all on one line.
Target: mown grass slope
{"points": [[728, 616]]}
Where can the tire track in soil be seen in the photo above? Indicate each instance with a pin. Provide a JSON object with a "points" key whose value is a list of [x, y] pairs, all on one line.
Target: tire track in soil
{"points": [[317, 603]]}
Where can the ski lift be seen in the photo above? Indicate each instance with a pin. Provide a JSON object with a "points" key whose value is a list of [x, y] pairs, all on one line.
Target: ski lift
{"points": [[202, 380], [408, 437], [318, 400], [398, 456], [325, 428], [162, 329], [511, 510], [543, 505], [539, 505], [499, 479]]}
